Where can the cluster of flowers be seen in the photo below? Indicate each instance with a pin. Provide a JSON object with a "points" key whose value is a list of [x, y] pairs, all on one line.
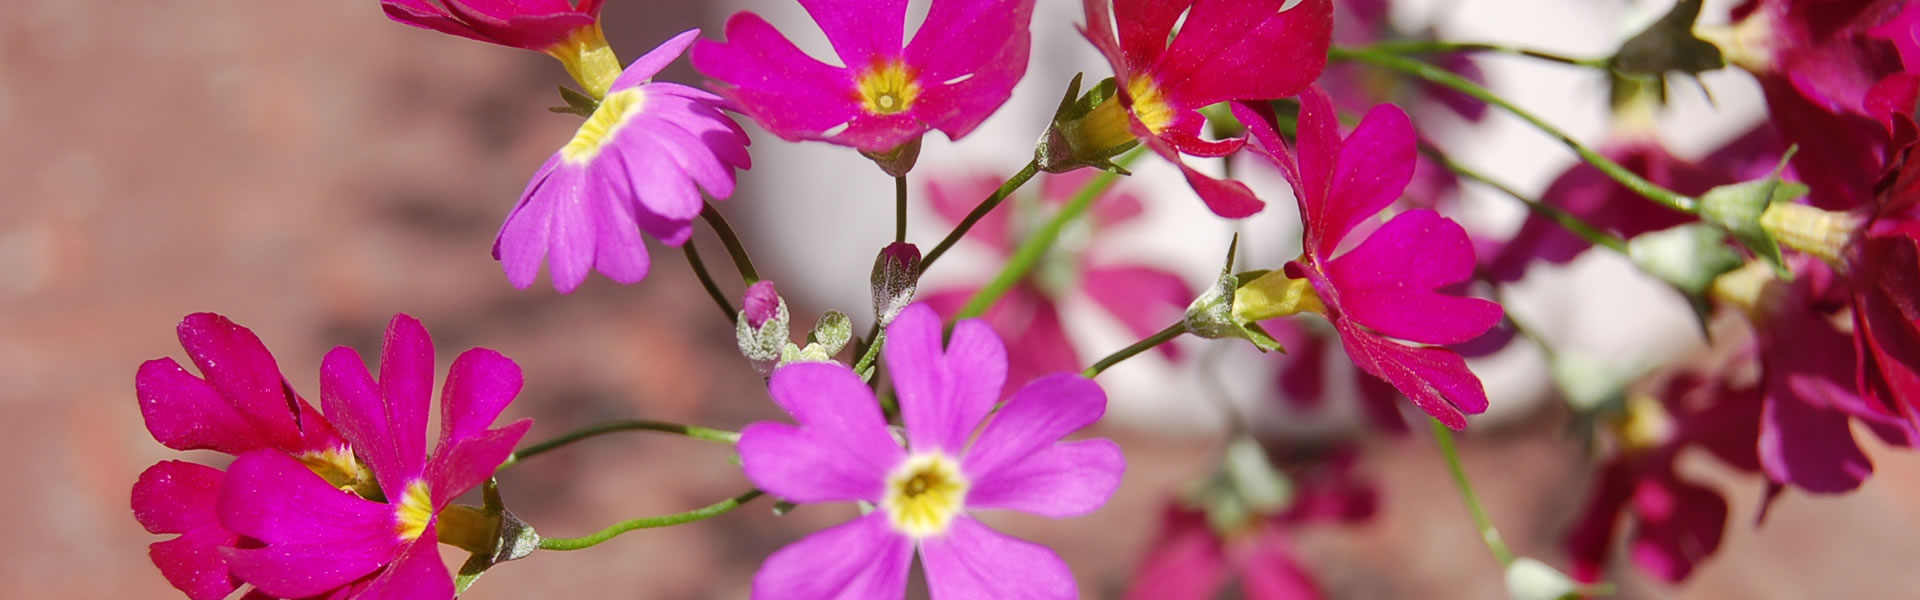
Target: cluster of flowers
{"points": [[347, 502]]}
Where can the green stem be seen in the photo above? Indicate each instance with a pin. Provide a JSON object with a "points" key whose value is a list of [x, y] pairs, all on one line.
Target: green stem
{"points": [[1037, 244], [1163, 336], [599, 429], [873, 352], [732, 241], [900, 208], [979, 212], [1444, 437], [1435, 74], [1444, 47], [705, 512], [706, 281], [1566, 220]]}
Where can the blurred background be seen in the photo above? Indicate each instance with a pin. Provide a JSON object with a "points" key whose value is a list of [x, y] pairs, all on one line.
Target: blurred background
{"points": [[309, 169]]}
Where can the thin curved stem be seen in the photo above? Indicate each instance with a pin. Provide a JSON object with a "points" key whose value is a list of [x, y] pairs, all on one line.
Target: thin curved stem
{"points": [[1042, 239], [900, 208], [1572, 223], [1429, 72], [979, 212], [732, 241], [1163, 336], [599, 429], [1444, 438], [706, 281], [1444, 47], [702, 513]]}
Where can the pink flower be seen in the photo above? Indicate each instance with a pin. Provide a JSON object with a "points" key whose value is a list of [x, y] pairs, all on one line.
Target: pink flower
{"points": [[306, 536], [1302, 377], [243, 404], [530, 24], [842, 450], [1385, 287], [959, 68], [1144, 299], [1225, 50], [633, 166]]}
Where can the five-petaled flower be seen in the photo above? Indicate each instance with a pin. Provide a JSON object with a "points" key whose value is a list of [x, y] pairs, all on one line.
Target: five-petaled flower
{"points": [[961, 66], [566, 32], [242, 405], [842, 450], [637, 164], [306, 536], [1225, 50], [1384, 287]]}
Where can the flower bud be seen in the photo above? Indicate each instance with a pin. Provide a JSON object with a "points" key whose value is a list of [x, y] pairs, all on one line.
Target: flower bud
{"points": [[896, 275], [490, 533], [898, 161], [1217, 312], [1087, 130], [761, 328], [1741, 209], [761, 304]]}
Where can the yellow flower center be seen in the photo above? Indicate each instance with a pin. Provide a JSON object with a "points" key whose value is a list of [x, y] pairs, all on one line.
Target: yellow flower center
{"points": [[888, 87], [1644, 425], [415, 512], [588, 59], [1149, 106], [613, 113], [342, 471], [1274, 295], [924, 494]]}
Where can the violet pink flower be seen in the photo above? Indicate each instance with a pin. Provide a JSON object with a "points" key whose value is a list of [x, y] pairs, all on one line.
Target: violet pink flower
{"points": [[1142, 298], [1386, 286], [638, 164], [842, 450], [243, 404], [960, 67], [1302, 377], [305, 536], [1225, 50], [556, 27]]}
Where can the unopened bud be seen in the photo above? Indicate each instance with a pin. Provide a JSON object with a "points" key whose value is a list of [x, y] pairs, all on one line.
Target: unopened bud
{"points": [[896, 275], [898, 161], [761, 304], [761, 327]]}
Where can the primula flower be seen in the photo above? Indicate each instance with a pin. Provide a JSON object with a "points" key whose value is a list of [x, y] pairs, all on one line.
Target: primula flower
{"points": [[960, 67], [1225, 50], [1384, 287], [632, 167], [1143, 298], [556, 27], [305, 536], [842, 450], [242, 404], [1302, 377]]}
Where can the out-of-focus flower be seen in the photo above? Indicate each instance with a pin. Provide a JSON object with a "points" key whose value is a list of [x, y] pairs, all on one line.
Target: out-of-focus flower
{"points": [[304, 536], [1302, 376], [566, 32], [842, 450], [1386, 286], [241, 405], [638, 164], [1247, 50], [1676, 523], [1144, 299], [960, 67]]}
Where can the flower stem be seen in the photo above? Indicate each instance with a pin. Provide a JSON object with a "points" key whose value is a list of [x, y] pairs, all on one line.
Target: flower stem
{"points": [[706, 281], [598, 429], [1566, 220], [732, 241], [1163, 336], [705, 512], [900, 208], [1036, 245], [979, 212], [1444, 438], [1444, 47], [873, 352], [1429, 72]]}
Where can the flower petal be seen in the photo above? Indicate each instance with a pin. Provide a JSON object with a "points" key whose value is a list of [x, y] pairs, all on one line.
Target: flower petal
{"points": [[1435, 379], [1033, 420], [1372, 168], [243, 375], [970, 54], [348, 393], [1067, 479], [1186, 561], [184, 412], [789, 93], [480, 384], [1273, 572], [654, 60], [863, 31], [943, 393], [840, 451], [469, 461], [1387, 283], [1809, 447], [1680, 525], [179, 497], [1245, 50], [316, 538], [974, 561], [1225, 197], [1144, 299], [953, 198], [863, 558], [522, 242], [418, 574]]}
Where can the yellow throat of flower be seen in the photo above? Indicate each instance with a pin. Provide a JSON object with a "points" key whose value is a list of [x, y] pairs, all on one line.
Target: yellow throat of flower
{"points": [[1106, 126], [414, 511], [588, 59], [612, 114], [924, 494], [1274, 295], [887, 87], [342, 471]]}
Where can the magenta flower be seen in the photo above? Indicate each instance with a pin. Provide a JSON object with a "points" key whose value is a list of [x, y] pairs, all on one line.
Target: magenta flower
{"points": [[306, 536], [1302, 377], [1386, 286], [243, 404], [1142, 298], [632, 167], [959, 68], [1239, 50], [842, 450], [531, 24]]}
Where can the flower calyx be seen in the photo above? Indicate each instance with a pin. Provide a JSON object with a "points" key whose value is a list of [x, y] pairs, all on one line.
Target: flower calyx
{"points": [[894, 280], [898, 161], [490, 532], [1689, 258], [1218, 312], [1088, 130], [830, 334], [1741, 209], [760, 328]]}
